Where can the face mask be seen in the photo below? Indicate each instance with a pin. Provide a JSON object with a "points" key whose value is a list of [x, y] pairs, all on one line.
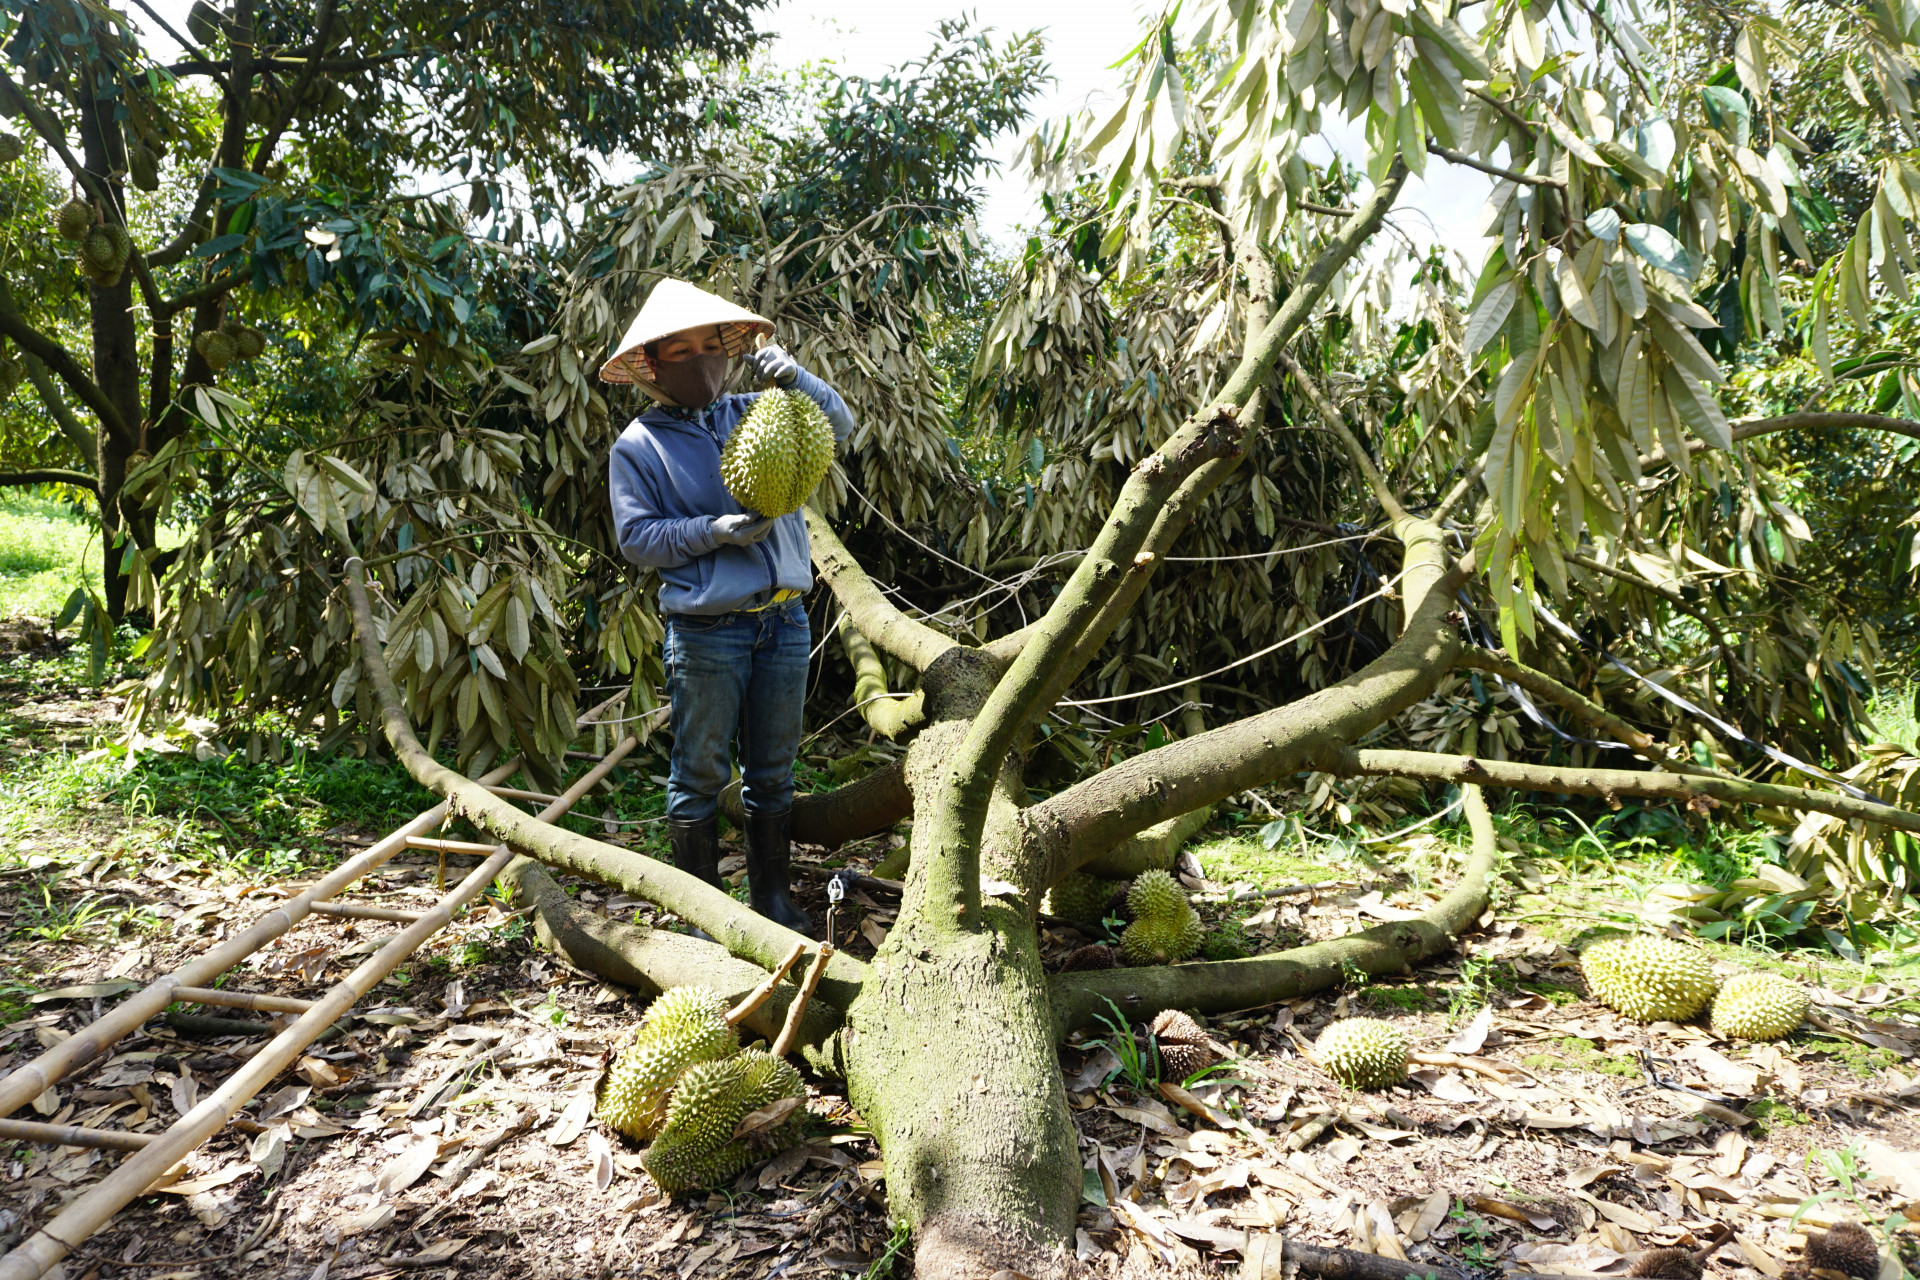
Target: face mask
{"points": [[693, 383]]}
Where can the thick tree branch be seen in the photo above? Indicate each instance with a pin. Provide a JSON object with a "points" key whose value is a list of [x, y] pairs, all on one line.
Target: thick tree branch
{"points": [[740, 931], [1093, 816], [1749, 428], [913, 643], [57, 358], [892, 716], [1152, 849], [1611, 784], [853, 812], [49, 475], [1080, 998], [57, 407]]}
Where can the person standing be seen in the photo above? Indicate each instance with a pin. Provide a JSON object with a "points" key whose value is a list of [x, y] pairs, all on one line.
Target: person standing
{"points": [[732, 584]]}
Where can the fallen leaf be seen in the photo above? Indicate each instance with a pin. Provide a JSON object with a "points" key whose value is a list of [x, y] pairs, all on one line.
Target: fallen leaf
{"points": [[602, 1153], [184, 1092], [1150, 1121], [1472, 1037], [208, 1181], [86, 991], [1431, 1215], [572, 1120], [439, 1251], [284, 1102], [407, 1168], [765, 1118], [268, 1150], [369, 1219], [317, 1073], [1900, 1168], [1513, 1212], [1632, 1219]]}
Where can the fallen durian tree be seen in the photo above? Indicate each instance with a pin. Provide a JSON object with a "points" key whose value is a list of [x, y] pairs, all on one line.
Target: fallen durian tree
{"points": [[947, 1039], [1579, 408]]}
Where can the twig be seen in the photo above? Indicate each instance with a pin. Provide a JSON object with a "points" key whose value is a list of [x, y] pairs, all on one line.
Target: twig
{"points": [[764, 992], [791, 1031], [1511, 175]]}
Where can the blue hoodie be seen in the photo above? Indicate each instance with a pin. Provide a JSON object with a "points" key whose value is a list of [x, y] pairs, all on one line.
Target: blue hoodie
{"points": [[666, 486]]}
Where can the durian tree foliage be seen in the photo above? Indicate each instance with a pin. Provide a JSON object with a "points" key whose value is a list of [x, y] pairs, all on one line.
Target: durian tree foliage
{"points": [[1554, 437], [269, 160]]}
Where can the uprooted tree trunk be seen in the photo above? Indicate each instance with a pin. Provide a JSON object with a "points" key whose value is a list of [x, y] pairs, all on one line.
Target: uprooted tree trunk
{"points": [[948, 1038]]}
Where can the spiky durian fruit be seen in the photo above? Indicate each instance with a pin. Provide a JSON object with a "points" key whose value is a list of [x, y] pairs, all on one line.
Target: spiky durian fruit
{"points": [[205, 23], [685, 1026], [143, 166], [1092, 956], [1758, 1006], [1848, 1248], [11, 148], [73, 220], [1648, 979], [1182, 1045], [105, 248], [249, 342], [1164, 927], [1666, 1264], [778, 453], [1079, 897], [1365, 1053], [216, 348], [700, 1146]]}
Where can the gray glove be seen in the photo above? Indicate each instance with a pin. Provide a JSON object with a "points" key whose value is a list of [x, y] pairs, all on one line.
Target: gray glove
{"points": [[772, 364], [742, 530]]}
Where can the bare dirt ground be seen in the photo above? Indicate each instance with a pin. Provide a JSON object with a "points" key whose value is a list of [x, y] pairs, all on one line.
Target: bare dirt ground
{"points": [[446, 1131]]}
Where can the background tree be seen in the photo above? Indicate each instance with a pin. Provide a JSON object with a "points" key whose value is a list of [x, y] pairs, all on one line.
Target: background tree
{"points": [[277, 156]]}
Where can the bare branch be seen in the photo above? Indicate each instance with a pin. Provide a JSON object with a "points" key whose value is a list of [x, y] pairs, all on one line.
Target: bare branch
{"points": [[1579, 704], [892, 715], [62, 413], [1749, 428], [1337, 424], [1696, 791], [1511, 175], [50, 475], [57, 358]]}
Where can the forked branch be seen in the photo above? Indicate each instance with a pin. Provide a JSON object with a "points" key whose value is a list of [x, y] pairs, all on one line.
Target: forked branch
{"points": [[878, 619]]}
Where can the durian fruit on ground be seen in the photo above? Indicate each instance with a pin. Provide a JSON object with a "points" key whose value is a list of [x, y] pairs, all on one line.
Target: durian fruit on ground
{"points": [[1666, 1264], [1182, 1045], [1848, 1248], [778, 454], [1758, 1006], [1363, 1053], [682, 1028], [1079, 897], [1648, 979], [1165, 927], [696, 1147]]}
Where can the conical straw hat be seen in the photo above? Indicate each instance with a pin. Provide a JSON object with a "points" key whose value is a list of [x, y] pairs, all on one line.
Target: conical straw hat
{"points": [[672, 306]]}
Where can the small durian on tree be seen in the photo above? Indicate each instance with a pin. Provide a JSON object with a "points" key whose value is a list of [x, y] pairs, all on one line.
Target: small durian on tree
{"points": [[685, 1026], [724, 1116], [217, 348], [1758, 1006], [1165, 927], [777, 454], [11, 148], [1648, 979], [1363, 1053], [73, 220]]}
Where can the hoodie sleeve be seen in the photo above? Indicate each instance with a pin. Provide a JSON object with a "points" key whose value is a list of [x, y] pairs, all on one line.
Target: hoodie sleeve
{"points": [[830, 404], [648, 537]]}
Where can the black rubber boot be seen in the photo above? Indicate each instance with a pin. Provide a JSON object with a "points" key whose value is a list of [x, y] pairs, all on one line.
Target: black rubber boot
{"points": [[696, 851], [768, 889]]}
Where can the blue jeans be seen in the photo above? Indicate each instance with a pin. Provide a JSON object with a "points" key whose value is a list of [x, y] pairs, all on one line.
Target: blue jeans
{"points": [[731, 674]]}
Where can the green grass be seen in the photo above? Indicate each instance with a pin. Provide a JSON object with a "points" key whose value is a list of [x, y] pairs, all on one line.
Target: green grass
{"points": [[1233, 859], [1895, 712], [46, 550], [1582, 1055]]}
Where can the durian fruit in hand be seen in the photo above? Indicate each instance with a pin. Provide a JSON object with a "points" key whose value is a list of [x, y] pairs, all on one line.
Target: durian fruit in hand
{"points": [[702, 1143], [1848, 1248], [1364, 1053], [1181, 1044], [1079, 897], [685, 1026], [1165, 927], [1648, 979], [1758, 1006], [778, 453]]}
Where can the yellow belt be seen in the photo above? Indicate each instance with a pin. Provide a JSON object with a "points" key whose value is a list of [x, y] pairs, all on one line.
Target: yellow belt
{"points": [[780, 597]]}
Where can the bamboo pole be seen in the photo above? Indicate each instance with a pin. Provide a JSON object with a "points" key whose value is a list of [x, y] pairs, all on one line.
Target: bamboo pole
{"points": [[358, 911], [73, 1135], [242, 999], [791, 1031], [471, 847], [764, 992], [88, 1212], [25, 1083]]}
